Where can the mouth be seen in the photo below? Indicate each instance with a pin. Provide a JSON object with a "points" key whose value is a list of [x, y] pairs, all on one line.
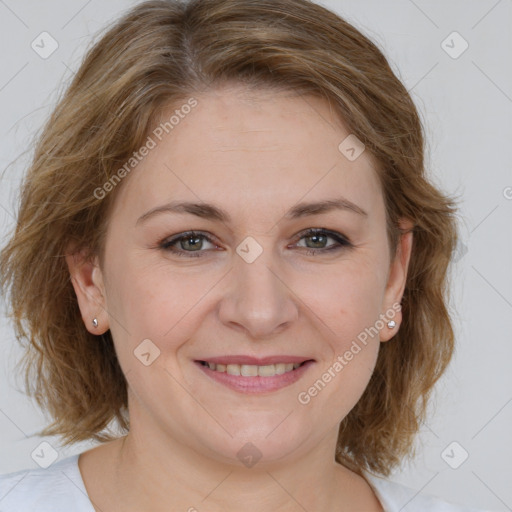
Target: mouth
{"points": [[241, 374], [250, 370]]}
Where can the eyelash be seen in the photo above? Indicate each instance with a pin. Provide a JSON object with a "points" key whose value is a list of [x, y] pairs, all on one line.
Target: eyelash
{"points": [[341, 242]]}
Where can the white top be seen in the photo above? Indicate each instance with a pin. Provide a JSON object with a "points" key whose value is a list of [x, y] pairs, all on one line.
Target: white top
{"points": [[60, 488]]}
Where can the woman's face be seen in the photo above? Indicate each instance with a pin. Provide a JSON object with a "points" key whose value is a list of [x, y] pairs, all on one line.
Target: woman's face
{"points": [[253, 291]]}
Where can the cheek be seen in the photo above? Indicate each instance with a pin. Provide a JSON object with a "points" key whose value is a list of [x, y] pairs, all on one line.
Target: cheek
{"points": [[346, 300], [164, 306], [149, 297], [359, 305], [156, 312], [351, 311], [348, 305]]}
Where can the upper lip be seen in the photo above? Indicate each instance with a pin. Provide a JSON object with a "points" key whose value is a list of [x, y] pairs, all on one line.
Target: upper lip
{"points": [[255, 361]]}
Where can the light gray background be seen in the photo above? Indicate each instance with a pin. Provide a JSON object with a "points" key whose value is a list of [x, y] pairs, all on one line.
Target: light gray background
{"points": [[466, 104]]}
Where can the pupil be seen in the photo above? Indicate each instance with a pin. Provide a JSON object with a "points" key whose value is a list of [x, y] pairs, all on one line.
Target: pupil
{"points": [[317, 237], [192, 240]]}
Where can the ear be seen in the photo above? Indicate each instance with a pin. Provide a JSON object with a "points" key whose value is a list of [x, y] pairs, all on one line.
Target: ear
{"points": [[397, 277], [87, 280]]}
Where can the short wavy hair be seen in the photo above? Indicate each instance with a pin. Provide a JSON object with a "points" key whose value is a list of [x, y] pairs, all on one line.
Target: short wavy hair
{"points": [[158, 54]]}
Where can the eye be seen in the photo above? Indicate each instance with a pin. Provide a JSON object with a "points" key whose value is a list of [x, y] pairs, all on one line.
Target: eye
{"points": [[191, 243], [319, 238], [189, 240]]}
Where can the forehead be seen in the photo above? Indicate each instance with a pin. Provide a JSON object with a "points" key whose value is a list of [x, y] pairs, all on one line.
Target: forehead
{"points": [[251, 150]]}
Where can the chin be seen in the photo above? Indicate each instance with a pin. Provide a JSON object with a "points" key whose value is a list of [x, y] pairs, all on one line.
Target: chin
{"points": [[261, 444]]}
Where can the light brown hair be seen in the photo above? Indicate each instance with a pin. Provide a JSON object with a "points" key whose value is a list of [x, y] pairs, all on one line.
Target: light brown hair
{"points": [[159, 54]]}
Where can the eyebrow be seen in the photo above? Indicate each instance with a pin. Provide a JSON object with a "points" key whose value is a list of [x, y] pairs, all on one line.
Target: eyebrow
{"points": [[212, 212]]}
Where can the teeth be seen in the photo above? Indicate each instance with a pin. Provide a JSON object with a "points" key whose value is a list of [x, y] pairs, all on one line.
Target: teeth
{"points": [[280, 368], [233, 369], [249, 370], [266, 371]]}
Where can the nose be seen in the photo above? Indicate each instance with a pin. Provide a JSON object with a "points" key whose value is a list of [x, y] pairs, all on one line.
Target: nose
{"points": [[257, 300]]}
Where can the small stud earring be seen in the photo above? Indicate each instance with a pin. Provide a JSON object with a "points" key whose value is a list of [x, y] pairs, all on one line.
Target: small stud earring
{"points": [[94, 322], [391, 324]]}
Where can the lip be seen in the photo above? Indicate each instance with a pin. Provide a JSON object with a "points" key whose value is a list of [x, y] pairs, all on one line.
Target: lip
{"points": [[256, 361], [256, 385]]}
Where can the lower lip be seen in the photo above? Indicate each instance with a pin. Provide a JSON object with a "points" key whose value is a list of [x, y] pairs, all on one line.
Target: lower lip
{"points": [[256, 384]]}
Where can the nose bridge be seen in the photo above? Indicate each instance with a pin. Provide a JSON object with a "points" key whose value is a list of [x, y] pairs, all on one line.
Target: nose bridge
{"points": [[258, 301]]}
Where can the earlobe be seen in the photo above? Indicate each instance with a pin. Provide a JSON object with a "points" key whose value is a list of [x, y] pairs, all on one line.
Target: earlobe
{"points": [[396, 281], [87, 280]]}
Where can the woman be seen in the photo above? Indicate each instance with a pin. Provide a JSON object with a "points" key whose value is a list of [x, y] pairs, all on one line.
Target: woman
{"points": [[227, 250]]}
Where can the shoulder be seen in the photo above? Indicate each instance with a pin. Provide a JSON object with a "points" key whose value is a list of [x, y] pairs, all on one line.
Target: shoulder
{"points": [[54, 489], [396, 497]]}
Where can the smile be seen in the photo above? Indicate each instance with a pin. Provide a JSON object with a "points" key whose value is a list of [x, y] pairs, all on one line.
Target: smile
{"points": [[249, 370], [255, 378]]}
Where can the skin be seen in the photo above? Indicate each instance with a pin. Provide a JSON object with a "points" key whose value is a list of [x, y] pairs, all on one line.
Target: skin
{"points": [[255, 155]]}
